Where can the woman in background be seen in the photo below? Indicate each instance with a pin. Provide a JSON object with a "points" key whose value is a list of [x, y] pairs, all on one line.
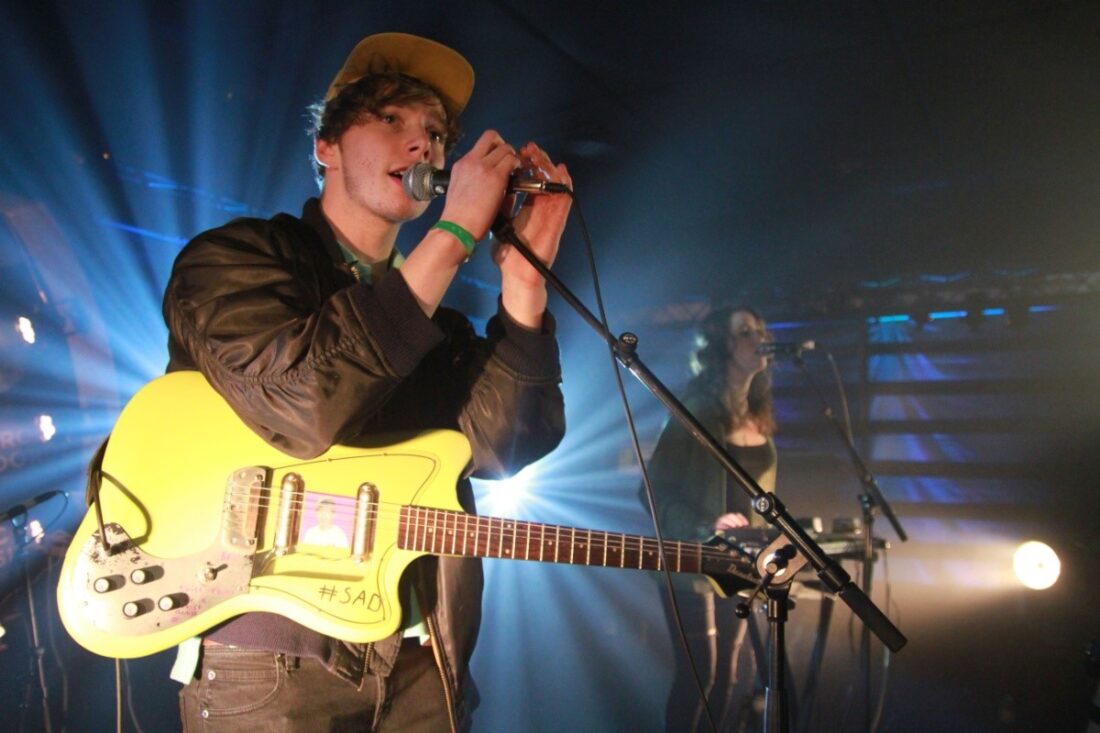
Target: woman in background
{"points": [[731, 396]]}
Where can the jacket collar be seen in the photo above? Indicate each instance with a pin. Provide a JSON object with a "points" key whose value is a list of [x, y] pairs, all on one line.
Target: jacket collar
{"points": [[315, 220]]}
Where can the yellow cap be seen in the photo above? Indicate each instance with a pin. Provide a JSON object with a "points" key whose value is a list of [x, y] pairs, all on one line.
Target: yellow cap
{"points": [[442, 68]]}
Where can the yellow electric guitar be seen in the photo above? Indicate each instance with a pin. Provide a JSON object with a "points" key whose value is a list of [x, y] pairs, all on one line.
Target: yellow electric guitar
{"points": [[200, 520]]}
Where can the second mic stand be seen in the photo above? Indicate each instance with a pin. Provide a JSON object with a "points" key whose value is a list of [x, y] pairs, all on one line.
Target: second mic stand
{"points": [[870, 500], [768, 506]]}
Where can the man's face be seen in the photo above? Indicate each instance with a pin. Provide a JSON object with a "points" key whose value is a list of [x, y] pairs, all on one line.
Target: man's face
{"points": [[365, 165]]}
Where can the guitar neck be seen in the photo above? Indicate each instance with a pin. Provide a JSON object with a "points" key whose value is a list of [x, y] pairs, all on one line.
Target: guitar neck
{"points": [[444, 532]]}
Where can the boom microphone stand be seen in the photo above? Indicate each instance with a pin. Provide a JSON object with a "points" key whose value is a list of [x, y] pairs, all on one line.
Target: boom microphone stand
{"points": [[832, 575]]}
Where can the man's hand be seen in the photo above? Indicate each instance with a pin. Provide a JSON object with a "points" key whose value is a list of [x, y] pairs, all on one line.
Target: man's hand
{"points": [[539, 223]]}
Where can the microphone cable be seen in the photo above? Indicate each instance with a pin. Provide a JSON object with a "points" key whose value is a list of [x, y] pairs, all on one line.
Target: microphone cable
{"points": [[632, 427]]}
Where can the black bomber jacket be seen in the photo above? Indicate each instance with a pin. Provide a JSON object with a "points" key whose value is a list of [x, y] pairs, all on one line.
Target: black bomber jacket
{"points": [[308, 357]]}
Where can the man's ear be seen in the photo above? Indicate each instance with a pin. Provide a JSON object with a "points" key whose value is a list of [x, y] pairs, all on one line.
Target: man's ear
{"points": [[326, 154]]}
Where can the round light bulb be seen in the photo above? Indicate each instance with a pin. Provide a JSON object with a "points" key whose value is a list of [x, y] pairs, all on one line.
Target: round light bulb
{"points": [[1036, 565]]}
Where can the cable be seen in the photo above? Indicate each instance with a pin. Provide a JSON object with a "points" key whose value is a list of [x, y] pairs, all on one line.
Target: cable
{"points": [[650, 499]]}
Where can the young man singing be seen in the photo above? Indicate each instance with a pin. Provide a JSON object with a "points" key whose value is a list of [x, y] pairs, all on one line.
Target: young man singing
{"points": [[317, 331]]}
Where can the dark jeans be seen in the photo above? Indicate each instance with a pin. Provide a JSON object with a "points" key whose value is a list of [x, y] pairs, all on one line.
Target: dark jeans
{"points": [[242, 690], [726, 669]]}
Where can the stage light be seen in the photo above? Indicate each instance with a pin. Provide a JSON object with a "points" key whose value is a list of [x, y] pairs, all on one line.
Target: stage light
{"points": [[25, 328], [35, 531], [46, 428], [894, 318], [1037, 566], [505, 497]]}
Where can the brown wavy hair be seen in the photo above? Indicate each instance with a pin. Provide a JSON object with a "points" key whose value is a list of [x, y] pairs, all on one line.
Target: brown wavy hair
{"points": [[367, 96], [708, 364]]}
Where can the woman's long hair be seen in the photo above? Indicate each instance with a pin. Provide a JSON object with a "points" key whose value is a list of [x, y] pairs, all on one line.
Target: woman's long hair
{"points": [[708, 364]]}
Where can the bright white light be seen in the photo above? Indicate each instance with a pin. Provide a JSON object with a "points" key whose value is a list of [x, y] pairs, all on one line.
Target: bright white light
{"points": [[25, 328], [46, 427], [2, 631], [1036, 565], [34, 528], [504, 498]]}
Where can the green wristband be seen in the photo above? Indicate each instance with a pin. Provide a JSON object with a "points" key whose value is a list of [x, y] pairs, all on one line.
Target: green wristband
{"points": [[463, 236]]}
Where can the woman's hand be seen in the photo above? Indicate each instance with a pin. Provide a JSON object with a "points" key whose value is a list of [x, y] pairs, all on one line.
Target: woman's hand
{"points": [[733, 520]]}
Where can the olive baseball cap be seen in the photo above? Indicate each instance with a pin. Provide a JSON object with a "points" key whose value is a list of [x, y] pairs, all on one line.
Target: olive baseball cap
{"points": [[443, 68]]}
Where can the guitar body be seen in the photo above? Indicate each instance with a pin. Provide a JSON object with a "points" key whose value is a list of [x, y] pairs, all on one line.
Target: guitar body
{"points": [[191, 500]]}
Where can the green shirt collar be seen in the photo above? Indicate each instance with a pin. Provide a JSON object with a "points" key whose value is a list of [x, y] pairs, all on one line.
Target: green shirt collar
{"points": [[362, 270]]}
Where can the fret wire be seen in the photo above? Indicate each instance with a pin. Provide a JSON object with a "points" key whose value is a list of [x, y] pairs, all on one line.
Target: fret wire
{"points": [[477, 536], [466, 536], [441, 532]]}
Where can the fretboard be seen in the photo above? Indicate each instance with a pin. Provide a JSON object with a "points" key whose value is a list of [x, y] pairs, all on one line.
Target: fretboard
{"points": [[444, 532]]}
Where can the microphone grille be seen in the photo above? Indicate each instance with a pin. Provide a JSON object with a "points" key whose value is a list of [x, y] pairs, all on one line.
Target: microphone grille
{"points": [[418, 182]]}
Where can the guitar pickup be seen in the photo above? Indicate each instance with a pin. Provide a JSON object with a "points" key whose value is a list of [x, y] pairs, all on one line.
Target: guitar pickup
{"points": [[366, 512], [244, 510]]}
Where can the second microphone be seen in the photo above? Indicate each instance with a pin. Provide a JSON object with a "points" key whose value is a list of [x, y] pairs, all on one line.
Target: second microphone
{"points": [[423, 183]]}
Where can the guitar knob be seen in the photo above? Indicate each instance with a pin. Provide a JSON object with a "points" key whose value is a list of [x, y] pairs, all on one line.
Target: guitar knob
{"points": [[167, 603], [140, 576], [106, 583], [131, 609]]}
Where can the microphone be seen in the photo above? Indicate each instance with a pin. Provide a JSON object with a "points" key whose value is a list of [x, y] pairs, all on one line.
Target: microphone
{"points": [[19, 509], [424, 183], [781, 349]]}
